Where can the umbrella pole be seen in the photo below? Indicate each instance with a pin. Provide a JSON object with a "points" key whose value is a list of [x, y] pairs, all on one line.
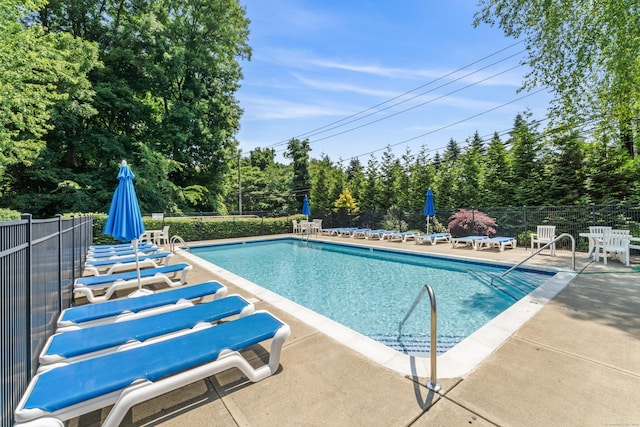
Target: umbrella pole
{"points": [[140, 292], [427, 224]]}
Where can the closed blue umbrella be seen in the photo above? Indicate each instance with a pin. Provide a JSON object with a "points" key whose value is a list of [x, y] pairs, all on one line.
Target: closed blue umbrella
{"points": [[124, 221], [429, 209], [306, 210]]}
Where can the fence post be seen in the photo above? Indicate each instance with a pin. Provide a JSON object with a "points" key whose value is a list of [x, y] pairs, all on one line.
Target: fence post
{"points": [[29, 275], [60, 257]]}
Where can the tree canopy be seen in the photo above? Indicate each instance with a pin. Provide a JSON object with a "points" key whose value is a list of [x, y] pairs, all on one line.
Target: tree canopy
{"points": [[87, 83], [586, 53], [159, 86]]}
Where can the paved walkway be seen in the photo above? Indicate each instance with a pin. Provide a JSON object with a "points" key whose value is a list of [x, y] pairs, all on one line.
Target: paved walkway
{"points": [[576, 363]]}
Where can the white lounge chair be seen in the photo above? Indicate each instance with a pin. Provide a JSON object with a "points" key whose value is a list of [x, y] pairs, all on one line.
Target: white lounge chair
{"points": [[132, 376], [132, 308], [433, 238], [126, 263], [544, 235], [614, 242], [467, 241], [113, 282], [70, 346], [498, 242]]}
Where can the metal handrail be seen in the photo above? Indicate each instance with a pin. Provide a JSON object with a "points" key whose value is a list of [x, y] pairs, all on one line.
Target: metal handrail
{"points": [[432, 383], [573, 251], [180, 240]]}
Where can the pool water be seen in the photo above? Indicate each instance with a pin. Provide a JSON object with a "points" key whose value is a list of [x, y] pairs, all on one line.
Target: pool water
{"points": [[371, 290]]}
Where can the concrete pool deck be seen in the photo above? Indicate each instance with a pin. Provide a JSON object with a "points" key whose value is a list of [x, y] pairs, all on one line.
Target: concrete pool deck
{"points": [[575, 363]]}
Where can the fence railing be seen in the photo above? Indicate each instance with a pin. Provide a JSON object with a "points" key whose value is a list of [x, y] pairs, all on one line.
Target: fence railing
{"points": [[39, 260], [518, 222]]}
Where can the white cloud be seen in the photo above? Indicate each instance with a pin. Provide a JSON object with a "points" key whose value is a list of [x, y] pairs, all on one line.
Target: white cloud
{"points": [[265, 108]]}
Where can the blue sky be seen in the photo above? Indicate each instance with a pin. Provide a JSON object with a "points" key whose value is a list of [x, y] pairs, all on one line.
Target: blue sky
{"points": [[356, 77]]}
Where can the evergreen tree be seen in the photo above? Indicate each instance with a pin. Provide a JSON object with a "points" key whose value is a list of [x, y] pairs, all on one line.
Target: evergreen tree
{"points": [[321, 171], [298, 152], [452, 152], [496, 185], [355, 178], [369, 200], [524, 164], [564, 174]]}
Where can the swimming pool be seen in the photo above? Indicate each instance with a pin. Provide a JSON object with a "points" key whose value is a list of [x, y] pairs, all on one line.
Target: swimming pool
{"points": [[370, 290]]}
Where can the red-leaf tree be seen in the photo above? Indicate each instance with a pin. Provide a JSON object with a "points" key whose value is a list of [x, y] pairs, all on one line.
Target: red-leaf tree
{"points": [[468, 222]]}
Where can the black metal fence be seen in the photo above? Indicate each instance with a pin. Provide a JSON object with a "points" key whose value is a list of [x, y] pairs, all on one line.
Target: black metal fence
{"points": [[39, 260], [518, 222], [512, 221]]}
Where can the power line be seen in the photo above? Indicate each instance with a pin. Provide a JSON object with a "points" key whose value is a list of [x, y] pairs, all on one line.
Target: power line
{"points": [[418, 105], [451, 124], [317, 130]]}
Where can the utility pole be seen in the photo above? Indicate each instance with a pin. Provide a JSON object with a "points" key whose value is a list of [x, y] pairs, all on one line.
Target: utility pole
{"points": [[239, 188]]}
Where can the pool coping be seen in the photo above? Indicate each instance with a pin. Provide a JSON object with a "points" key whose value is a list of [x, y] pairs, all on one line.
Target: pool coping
{"points": [[457, 362]]}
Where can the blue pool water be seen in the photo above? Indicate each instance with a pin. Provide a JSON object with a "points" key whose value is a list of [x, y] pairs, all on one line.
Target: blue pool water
{"points": [[371, 290]]}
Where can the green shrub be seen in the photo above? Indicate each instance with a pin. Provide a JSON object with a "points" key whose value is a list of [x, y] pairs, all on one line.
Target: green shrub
{"points": [[9, 215], [191, 229]]}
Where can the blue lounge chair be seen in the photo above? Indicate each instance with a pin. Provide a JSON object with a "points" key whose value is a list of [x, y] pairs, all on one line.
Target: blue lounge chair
{"points": [[71, 390], [467, 241], [498, 242], [117, 247], [126, 263], [133, 308], [347, 231], [121, 253], [113, 282], [90, 342]]}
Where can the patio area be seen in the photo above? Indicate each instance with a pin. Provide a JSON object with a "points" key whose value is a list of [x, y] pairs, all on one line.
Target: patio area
{"points": [[575, 363]]}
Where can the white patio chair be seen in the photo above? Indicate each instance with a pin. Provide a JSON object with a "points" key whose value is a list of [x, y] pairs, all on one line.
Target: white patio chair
{"points": [[316, 225], [596, 232], [544, 235], [296, 227], [163, 237], [615, 242]]}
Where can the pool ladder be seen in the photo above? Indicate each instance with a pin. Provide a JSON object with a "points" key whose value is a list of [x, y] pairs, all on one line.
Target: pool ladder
{"points": [[177, 239], [432, 383]]}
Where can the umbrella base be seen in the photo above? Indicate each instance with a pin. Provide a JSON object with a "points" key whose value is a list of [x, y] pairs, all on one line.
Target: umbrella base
{"points": [[140, 293]]}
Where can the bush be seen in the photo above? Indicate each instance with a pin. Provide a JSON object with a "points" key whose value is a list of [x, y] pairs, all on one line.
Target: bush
{"points": [[467, 222], [191, 229], [9, 215]]}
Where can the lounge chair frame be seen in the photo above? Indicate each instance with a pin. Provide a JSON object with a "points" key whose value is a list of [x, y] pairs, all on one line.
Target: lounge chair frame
{"points": [[473, 241], [144, 390], [120, 283], [132, 308], [92, 342], [497, 242], [433, 238]]}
